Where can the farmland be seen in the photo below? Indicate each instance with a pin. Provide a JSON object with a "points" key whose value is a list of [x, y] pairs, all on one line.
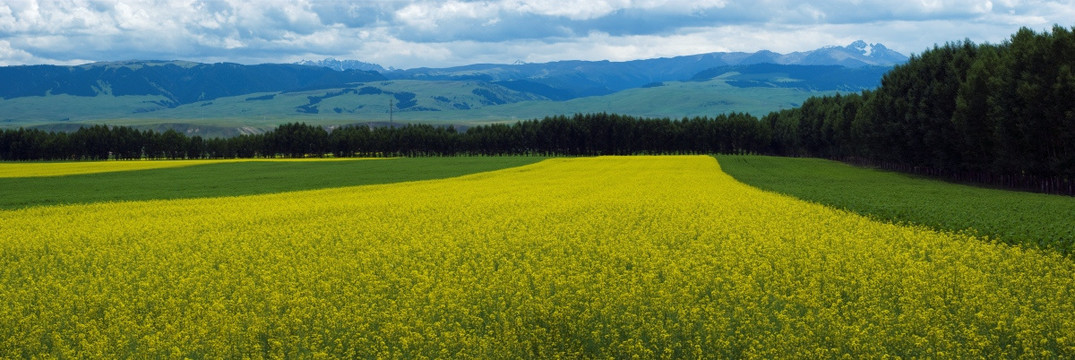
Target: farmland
{"points": [[655, 256]]}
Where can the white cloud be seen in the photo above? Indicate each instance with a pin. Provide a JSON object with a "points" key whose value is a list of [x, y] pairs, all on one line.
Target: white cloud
{"points": [[10, 56], [453, 32], [427, 16], [571, 9]]}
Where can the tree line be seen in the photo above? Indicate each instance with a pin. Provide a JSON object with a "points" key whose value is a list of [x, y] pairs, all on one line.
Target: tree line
{"points": [[578, 135], [1001, 114]]}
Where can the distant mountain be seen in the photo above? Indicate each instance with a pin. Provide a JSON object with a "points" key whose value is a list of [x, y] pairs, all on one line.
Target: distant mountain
{"points": [[177, 82], [560, 80], [858, 54], [341, 65], [563, 80]]}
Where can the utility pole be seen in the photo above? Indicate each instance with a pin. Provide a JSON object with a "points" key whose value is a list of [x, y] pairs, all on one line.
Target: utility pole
{"points": [[391, 120]]}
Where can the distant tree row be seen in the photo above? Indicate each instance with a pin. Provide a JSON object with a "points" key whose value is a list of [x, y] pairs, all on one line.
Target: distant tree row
{"points": [[97, 142], [960, 110], [582, 134]]}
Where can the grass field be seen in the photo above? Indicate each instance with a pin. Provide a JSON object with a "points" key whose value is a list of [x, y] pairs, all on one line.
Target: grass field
{"points": [[88, 182], [1013, 217], [609, 257]]}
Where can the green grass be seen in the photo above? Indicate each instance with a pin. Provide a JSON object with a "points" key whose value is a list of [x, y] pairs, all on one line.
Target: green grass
{"points": [[237, 178], [673, 99], [1018, 218], [34, 110]]}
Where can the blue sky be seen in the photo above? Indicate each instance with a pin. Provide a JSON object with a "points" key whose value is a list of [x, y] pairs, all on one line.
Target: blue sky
{"points": [[405, 34]]}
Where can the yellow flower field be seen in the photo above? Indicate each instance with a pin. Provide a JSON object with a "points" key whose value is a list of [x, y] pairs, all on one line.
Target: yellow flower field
{"points": [[35, 169], [612, 257]]}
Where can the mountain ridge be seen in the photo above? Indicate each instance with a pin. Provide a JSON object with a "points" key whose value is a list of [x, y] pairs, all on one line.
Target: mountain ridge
{"points": [[863, 54], [579, 78], [179, 82]]}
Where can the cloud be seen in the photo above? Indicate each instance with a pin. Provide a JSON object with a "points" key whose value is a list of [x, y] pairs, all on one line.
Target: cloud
{"points": [[12, 56], [453, 32]]}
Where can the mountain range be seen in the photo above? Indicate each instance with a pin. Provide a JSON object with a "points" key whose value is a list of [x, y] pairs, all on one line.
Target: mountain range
{"points": [[226, 98], [179, 82], [563, 80]]}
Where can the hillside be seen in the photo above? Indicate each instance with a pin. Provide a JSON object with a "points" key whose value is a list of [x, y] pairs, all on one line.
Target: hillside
{"points": [[227, 99], [803, 77], [437, 102]]}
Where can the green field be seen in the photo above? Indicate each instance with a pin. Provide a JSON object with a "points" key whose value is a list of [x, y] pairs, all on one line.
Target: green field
{"points": [[1013, 217], [236, 178]]}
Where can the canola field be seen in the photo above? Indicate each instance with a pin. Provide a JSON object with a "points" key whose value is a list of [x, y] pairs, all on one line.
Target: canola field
{"points": [[39, 169], [610, 257]]}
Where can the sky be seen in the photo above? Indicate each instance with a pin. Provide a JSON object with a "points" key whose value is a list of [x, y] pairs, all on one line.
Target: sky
{"points": [[407, 34]]}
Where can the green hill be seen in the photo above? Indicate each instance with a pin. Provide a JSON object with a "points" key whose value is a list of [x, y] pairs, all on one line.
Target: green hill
{"points": [[439, 102]]}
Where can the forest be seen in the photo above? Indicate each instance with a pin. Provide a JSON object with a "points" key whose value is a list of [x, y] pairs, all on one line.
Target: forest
{"points": [[1000, 114], [1005, 109], [996, 114]]}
